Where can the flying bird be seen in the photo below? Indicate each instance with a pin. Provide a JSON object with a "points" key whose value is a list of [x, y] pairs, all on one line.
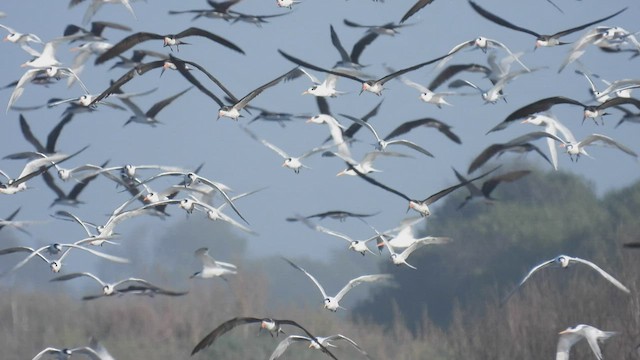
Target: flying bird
{"points": [[212, 268], [564, 261], [326, 341], [168, 40], [488, 185], [572, 335]]}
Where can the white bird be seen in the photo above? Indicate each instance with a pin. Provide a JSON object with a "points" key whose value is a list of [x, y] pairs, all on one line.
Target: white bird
{"points": [[365, 166], [572, 335], [48, 56], [22, 39], [332, 303], [619, 88], [335, 130], [576, 149], [355, 245], [493, 94], [84, 52], [56, 248], [426, 95], [564, 261], [108, 289], [65, 354], [49, 72], [326, 88], [325, 341], [287, 3], [383, 143], [401, 258], [551, 126], [291, 162], [482, 43], [212, 268], [97, 4]]}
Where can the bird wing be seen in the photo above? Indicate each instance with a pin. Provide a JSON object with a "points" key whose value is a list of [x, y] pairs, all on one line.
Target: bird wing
{"points": [[181, 67], [52, 138], [224, 195], [317, 68], [536, 268], [360, 45], [211, 77], [440, 194], [138, 70], [338, 45], [565, 342], [414, 9], [584, 26], [412, 145], [489, 185], [28, 135], [410, 68], [284, 344], [324, 294], [604, 274], [19, 89], [535, 107], [194, 31], [47, 351], [203, 255], [113, 258], [372, 181], [126, 44], [77, 275], [363, 123], [250, 96], [157, 107], [452, 70], [359, 280], [500, 21], [222, 329], [342, 337], [607, 140]]}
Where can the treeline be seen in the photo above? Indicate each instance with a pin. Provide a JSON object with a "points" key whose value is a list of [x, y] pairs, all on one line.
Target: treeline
{"points": [[449, 308]]}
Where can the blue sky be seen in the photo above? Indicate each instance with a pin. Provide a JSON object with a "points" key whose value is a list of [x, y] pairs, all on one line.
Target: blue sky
{"points": [[190, 134]]}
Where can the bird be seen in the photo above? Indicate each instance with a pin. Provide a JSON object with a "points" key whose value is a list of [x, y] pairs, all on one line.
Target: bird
{"points": [[537, 106], [212, 268], [373, 86], [420, 206], [493, 94], [520, 144], [233, 111], [355, 245], [426, 95], [381, 144], [54, 249], [284, 344], [414, 9], [618, 88], [482, 43], [365, 166], [570, 336], [273, 326], [401, 258], [219, 10], [325, 88], [18, 225], [340, 215], [351, 61], [71, 198], [108, 289], [149, 117], [332, 303], [97, 5], [424, 122], [47, 58], [22, 39], [65, 354], [77, 33], [488, 185], [32, 169], [576, 148], [53, 72], [293, 163], [388, 29], [541, 40], [551, 126], [168, 40], [564, 261]]}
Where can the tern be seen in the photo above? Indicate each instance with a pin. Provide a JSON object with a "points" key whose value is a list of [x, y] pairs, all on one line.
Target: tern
{"points": [[149, 117], [67, 216], [335, 130], [32, 169], [257, 20], [420, 206], [284, 344], [18, 225], [493, 94], [53, 72], [332, 303], [233, 111], [538, 106], [488, 185], [326, 88], [373, 86], [520, 144], [350, 61], [48, 56], [287, 3], [293, 163], [383, 143], [108, 289], [572, 335], [349, 132], [577, 148], [22, 39], [97, 4], [212, 268], [366, 165], [65, 354], [414, 9], [426, 95], [401, 258], [220, 10], [77, 33], [168, 40], [619, 88], [70, 198], [84, 52], [482, 43], [340, 215], [564, 261], [273, 326], [54, 249], [355, 245], [541, 40], [424, 122], [385, 29], [552, 126]]}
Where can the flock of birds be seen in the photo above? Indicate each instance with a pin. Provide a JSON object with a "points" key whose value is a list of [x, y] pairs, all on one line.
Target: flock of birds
{"points": [[138, 55]]}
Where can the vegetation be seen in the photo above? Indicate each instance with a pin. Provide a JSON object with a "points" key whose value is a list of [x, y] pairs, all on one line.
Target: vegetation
{"points": [[447, 309]]}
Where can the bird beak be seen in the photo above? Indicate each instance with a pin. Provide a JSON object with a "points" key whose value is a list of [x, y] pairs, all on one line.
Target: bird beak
{"points": [[309, 120], [74, 49], [563, 332], [305, 92]]}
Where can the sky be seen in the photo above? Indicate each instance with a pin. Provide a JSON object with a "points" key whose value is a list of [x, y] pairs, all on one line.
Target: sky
{"points": [[190, 134]]}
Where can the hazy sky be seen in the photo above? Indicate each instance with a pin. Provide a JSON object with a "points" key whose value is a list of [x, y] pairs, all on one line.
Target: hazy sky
{"points": [[190, 134]]}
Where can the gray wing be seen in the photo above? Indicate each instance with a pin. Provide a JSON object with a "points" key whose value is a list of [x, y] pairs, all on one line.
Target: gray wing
{"points": [[605, 274], [284, 344], [342, 337], [536, 268], [359, 280]]}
